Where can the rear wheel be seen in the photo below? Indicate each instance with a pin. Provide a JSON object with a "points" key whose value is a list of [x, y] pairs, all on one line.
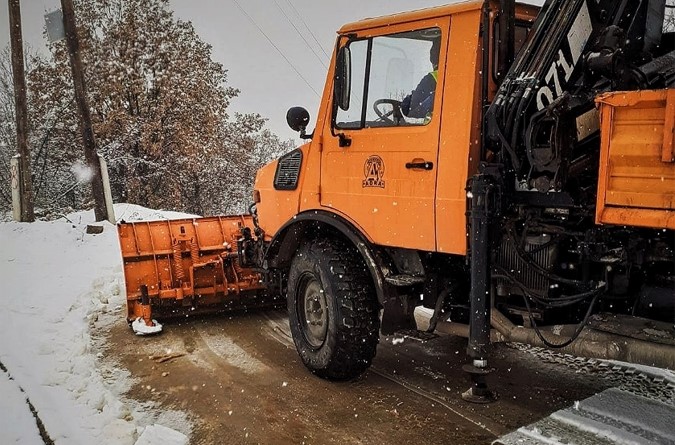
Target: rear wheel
{"points": [[333, 310]]}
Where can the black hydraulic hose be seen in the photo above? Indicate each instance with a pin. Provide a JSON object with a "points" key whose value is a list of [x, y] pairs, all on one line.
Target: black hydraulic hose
{"points": [[252, 209], [507, 146], [557, 302], [440, 302], [576, 333], [529, 294], [509, 110], [523, 102], [516, 100]]}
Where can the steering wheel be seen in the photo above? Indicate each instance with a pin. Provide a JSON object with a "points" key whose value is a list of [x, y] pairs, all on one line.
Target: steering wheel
{"points": [[395, 112]]}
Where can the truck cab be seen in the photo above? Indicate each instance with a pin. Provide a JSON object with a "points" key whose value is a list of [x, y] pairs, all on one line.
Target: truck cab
{"points": [[399, 180]]}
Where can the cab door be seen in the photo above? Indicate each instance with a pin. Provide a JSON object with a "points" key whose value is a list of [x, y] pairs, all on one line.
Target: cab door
{"points": [[379, 158]]}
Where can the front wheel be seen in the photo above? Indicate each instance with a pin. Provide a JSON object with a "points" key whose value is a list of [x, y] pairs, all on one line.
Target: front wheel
{"points": [[333, 311]]}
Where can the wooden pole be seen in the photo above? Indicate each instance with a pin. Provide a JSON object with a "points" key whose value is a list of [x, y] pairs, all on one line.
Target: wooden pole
{"points": [[21, 109], [83, 108]]}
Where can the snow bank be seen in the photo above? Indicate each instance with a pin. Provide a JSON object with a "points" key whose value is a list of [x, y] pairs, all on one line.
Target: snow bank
{"points": [[57, 281], [161, 435], [132, 212], [613, 416]]}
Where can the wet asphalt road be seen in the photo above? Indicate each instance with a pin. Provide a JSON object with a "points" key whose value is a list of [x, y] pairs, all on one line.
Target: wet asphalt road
{"points": [[242, 382]]}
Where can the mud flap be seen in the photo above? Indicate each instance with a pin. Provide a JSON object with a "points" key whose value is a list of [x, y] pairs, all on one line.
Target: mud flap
{"points": [[398, 315]]}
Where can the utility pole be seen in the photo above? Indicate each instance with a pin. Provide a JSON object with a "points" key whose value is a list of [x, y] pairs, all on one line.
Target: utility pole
{"points": [[86, 129], [21, 110]]}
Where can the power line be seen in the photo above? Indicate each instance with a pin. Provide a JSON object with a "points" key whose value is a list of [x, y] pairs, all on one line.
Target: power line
{"points": [[307, 27], [276, 47], [301, 36]]}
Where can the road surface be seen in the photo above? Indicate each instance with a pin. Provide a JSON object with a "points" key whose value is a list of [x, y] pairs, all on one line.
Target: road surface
{"points": [[242, 382]]}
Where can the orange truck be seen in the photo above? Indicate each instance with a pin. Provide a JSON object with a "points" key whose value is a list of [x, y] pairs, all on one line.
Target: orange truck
{"points": [[510, 167]]}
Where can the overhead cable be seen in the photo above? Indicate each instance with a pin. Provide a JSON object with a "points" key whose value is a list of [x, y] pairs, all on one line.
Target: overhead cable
{"points": [[276, 47], [321, 60], [307, 27]]}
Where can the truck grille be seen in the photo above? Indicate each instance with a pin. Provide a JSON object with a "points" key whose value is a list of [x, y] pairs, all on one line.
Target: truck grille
{"points": [[288, 171]]}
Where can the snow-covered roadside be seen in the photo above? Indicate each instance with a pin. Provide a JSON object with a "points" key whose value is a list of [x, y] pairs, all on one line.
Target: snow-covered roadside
{"points": [[17, 423], [56, 282]]}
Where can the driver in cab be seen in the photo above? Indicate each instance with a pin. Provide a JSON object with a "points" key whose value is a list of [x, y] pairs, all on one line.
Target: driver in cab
{"points": [[420, 102]]}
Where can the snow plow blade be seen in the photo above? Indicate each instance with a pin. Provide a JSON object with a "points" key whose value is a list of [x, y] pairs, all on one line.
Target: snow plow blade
{"points": [[186, 266]]}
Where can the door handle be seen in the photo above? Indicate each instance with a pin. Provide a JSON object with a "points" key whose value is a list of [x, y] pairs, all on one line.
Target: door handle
{"points": [[420, 165]]}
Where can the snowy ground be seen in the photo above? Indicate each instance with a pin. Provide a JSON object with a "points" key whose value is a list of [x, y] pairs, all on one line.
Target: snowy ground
{"points": [[56, 282]]}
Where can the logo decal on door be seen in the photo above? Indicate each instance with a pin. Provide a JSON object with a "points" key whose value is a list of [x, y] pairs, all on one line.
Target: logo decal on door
{"points": [[374, 172]]}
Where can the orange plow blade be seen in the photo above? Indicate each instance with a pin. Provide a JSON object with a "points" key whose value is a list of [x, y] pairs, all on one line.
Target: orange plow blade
{"points": [[183, 266]]}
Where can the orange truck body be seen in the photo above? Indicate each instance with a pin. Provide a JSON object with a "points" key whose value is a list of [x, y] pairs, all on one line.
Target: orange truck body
{"points": [[636, 186]]}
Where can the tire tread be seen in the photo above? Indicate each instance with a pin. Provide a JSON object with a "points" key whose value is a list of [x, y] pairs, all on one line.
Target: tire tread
{"points": [[358, 324]]}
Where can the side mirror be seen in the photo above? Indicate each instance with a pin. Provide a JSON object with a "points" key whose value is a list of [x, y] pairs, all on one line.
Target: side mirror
{"points": [[298, 119], [343, 78]]}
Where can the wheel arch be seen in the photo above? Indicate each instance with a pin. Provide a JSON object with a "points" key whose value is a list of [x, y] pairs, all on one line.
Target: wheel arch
{"points": [[307, 225]]}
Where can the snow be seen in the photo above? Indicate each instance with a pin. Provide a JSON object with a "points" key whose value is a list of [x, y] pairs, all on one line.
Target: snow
{"points": [[132, 212], [82, 172], [58, 283], [140, 328], [161, 435], [613, 416], [666, 374], [16, 424], [621, 417]]}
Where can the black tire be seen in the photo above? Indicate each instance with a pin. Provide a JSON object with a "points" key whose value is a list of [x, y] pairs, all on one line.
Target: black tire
{"points": [[333, 310]]}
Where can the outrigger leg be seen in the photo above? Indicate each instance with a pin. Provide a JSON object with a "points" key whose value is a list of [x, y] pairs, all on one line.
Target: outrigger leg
{"points": [[483, 209]]}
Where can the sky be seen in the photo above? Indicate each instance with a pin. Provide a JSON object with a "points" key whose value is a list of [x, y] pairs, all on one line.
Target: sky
{"points": [[276, 51]]}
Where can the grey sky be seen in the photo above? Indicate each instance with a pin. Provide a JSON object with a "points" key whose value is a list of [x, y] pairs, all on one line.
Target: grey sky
{"points": [[269, 84]]}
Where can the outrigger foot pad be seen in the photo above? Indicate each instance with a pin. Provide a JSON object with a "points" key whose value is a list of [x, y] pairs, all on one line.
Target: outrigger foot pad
{"points": [[479, 391], [140, 328]]}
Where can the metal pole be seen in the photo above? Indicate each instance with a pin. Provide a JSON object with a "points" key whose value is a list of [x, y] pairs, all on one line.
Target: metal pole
{"points": [[107, 193], [17, 186], [21, 108], [83, 108]]}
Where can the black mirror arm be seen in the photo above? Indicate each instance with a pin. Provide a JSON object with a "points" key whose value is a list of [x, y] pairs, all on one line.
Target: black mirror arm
{"points": [[345, 141], [304, 135]]}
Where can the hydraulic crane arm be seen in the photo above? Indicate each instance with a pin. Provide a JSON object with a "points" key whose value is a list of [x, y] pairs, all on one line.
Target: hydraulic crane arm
{"points": [[577, 49]]}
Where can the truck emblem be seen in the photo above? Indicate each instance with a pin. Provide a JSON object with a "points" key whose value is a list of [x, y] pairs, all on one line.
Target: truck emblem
{"points": [[374, 172]]}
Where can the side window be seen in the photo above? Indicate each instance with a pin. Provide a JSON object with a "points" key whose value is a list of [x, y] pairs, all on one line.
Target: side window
{"points": [[393, 80]]}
